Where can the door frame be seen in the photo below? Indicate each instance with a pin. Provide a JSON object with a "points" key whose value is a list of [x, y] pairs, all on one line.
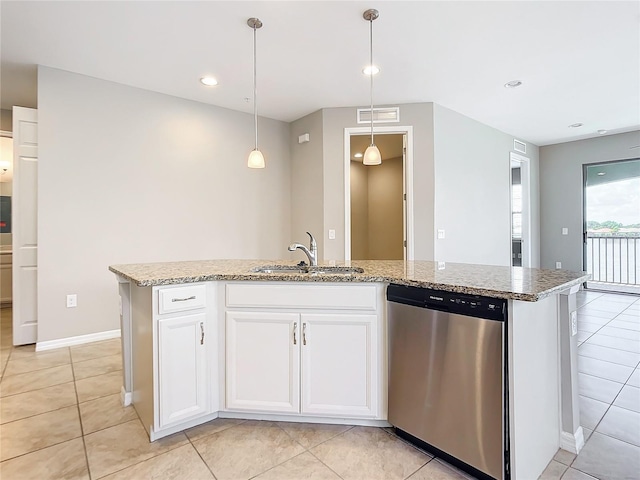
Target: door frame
{"points": [[525, 180], [407, 181]]}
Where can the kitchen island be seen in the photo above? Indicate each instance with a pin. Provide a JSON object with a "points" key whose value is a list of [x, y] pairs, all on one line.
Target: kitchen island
{"points": [[252, 339]]}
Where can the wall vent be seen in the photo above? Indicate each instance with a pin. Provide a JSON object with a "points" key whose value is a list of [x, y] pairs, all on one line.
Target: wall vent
{"points": [[519, 146], [380, 115]]}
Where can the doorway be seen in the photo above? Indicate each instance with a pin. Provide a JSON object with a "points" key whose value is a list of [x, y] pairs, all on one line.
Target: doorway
{"points": [[520, 211], [6, 190], [378, 219], [611, 234]]}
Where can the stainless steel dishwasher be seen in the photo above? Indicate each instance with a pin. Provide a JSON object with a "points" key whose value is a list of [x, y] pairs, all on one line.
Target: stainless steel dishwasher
{"points": [[447, 376]]}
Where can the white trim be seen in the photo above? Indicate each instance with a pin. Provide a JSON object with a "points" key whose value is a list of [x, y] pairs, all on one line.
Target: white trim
{"points": [[79, 340], [297, 418], [408, 180], [572, 442], [125, 397]]}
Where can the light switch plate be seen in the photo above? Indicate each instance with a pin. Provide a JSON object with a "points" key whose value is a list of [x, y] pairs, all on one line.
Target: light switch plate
{"points": [[565, 231], [558, 265], [574, 323], [440, 234], [332, 234]]}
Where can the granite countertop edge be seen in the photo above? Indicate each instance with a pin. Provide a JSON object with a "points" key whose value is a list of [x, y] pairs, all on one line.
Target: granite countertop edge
{"points": [[159, 274]]}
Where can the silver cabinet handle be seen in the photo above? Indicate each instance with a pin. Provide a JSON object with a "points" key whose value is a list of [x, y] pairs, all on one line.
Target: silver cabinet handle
{"points": [[295, 327], [192, 297], [304, 333], [201, 333]]}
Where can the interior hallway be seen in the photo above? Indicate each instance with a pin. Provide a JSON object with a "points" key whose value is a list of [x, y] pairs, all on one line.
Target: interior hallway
{"points": [[61, 417]]}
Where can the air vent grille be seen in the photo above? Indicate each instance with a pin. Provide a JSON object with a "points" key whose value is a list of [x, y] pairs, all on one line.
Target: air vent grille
{"points": [[519, 146], [380, 115]]}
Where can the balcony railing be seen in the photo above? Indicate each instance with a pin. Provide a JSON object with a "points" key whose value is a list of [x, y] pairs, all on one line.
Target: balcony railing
{"points": [[613, 258]]}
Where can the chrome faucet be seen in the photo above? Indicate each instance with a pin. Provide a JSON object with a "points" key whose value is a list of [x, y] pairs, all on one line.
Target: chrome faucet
{"points": [[311, 252]]}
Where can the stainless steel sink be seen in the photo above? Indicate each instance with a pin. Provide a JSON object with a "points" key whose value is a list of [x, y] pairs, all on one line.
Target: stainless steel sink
{"points": [[281, 269], [318, 270], [335, 270]]}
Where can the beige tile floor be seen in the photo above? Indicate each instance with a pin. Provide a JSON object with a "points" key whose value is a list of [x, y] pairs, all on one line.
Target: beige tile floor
{"points": [[61, 418]]}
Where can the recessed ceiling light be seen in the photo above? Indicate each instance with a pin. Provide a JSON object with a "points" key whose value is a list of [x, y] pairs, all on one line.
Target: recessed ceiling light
{"points": [[209, 81], [358, 155], [576, 125], [370, 70], [513, 84], [602, 131], [600, 174]]}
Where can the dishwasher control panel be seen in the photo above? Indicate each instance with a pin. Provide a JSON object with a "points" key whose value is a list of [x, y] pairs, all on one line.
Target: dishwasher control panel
{"points": [[460, 303]]}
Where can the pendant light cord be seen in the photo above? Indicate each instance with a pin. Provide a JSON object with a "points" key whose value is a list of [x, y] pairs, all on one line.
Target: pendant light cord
{"points": [[371, 67], [255, 87]]}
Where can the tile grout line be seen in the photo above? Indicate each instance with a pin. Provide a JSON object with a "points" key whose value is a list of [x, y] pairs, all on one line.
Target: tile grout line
{"points": [[200, 456], [84, 444]]}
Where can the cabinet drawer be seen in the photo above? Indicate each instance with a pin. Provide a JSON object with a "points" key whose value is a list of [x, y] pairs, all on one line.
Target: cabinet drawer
{"points": [[295, 295], [179, 299]]}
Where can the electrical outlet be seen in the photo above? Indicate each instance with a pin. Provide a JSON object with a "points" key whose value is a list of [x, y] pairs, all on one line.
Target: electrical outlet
{"points": [[72, 301], [574, 323], [332, 234], [440, 234], [441, 266], [565, 231], [558, 265]]}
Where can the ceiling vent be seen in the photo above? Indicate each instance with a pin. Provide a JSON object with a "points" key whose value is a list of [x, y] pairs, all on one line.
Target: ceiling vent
{"points": [[519, 146], [380, 115]]}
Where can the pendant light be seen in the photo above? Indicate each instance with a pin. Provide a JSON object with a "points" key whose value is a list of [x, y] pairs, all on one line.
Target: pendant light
{"points": [[372, 154], [256, 159]]}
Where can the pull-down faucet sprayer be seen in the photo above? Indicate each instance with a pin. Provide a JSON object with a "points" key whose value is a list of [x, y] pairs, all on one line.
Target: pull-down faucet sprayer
{"points": [[311, 252]]}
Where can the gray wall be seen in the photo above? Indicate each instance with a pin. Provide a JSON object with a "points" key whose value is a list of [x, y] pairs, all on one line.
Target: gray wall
{"points": [[6, 120], [472, 190], [386, 222], [561, 184], [359, 181], [307, 193], [335, 120], [127, 175]]}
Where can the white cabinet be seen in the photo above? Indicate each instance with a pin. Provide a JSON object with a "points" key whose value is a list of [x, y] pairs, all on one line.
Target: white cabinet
{"points": [[305, 353], [171, 342], [263, 361], [339, 364], [182, 372]]}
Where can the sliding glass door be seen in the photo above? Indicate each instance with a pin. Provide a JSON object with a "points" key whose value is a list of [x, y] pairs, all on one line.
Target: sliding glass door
{"points": [[612, 225]]}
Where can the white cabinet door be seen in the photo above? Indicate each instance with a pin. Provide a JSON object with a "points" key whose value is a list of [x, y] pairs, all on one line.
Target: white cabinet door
{"points": [[263, 361], [182, 372], [339, 364]]}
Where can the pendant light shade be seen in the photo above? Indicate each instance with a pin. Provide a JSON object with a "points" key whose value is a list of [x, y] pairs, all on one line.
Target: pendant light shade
{"points": [[372, 154], [256, 159]]}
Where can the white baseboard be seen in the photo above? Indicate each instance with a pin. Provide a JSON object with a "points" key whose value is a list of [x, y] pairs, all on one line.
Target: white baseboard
{"points": [[79, 340], [125, 397], [572, 442]]}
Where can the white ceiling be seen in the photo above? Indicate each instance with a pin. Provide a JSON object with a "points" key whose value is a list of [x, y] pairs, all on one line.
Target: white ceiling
{"points": [[579, 61]]}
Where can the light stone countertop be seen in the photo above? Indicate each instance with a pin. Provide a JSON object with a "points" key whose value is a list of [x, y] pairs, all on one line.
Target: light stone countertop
{"points": [[516, 283]]}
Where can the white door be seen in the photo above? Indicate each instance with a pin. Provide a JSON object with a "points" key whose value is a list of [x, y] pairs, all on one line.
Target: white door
{"points": [[263, 361], [182, 372], [339, 364], [25, 225]]}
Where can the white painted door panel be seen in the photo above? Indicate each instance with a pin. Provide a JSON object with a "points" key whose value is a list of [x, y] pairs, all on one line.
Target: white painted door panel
{"points": [[182, 368], [339, 364], [25, 225], [263, 361]]}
